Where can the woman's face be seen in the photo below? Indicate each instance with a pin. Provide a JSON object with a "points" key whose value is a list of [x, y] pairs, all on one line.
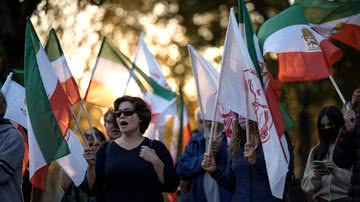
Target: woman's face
{"points": [[328, 129], [112, 131], [127, 119]]}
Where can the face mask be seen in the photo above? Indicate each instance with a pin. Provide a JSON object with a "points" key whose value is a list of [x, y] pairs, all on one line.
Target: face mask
{"points": [[329, 134]]}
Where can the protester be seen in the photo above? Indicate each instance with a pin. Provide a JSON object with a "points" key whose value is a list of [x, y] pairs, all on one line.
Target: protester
{"points": [[109, 122], [322, 178], [203, 187], [347, 148], [245, 175], [82, 193], [132, 167], [11, 158]]}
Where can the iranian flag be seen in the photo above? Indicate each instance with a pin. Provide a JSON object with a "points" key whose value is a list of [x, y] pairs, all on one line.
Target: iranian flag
{"points": [[61, 68], [48, 113], [303, 54], [282, 118], [237, 57], [337, 20], [145, 61], [110, 80]]}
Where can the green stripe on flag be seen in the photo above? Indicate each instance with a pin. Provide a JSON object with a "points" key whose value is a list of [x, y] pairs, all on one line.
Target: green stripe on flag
{"points": [[117, 56], [294, 15], [320, 11], [52, 47], [46, 130], [180, 109]]}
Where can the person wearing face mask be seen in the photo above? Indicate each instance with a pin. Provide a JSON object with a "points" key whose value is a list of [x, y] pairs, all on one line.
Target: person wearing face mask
{"points": [[203, 187], [322, 178], [347, 148]]}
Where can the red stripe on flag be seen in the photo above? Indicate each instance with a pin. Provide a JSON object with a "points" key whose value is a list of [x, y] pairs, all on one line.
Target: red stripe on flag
{"points": [[26, 154], [331, 52], [60, 106], [275, 110], [186, 137], [349, 35], [38, 179], [302, 66], [71, 90]]}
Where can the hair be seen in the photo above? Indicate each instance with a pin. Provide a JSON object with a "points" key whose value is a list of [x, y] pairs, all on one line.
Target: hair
{"points": [[140, 107], [98, 134], [237, 140], [335, 117], [3, 105], [109, 114]]}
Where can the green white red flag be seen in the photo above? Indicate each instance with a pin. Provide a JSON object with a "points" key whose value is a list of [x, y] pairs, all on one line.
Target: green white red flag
{"points": [[337, 20], [48, 113], [303, 54], [61, 68]]}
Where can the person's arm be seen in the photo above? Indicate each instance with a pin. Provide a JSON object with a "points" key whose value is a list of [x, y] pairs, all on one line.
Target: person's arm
{"points": [[311, 182], [100, 172], [225, 178], [65, 181], [11, 155], [189, 164], [343, 154]]}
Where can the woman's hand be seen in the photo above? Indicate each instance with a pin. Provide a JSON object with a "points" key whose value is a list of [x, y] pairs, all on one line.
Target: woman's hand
{"points": [[330, 166], [208, 163], [90, 154], [250, 153], [350, 120], [148, 154]]}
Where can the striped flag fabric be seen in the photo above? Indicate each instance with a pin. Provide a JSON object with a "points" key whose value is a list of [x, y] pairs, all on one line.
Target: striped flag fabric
{"points": [[61, 68], [48, 113], [337, 20], [274, 153], [148, 64], [303, 54], [282, 118]]}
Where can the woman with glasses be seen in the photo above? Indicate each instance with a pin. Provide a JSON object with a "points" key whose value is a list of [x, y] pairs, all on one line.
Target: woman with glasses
{"points": [[132, 167], [322, 178], [109, 123]]}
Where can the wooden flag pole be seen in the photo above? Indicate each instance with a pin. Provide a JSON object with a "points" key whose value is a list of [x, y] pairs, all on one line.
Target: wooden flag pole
{"points": [[337, 89], [78, 127], [82, 104]]}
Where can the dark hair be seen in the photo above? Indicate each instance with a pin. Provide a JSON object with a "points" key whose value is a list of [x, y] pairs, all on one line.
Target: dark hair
{"points": [[109, 113], [3, 105], [99, 135], [140, 107], [335, 117], [237, 140]]}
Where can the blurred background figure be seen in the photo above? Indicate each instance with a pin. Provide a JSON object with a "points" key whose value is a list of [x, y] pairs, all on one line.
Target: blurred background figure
{"points": [[322, 179], [347, 148], [202, 187], [109, 123]]}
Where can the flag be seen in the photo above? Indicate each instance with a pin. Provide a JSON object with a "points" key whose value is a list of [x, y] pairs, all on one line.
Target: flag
{"points": [[337, 20], [237, 55], [303, 54], [61, 68], [15, 98], [48, 113], [26, 144], [114, 66], [148, 64], [181, 130], [282, 118], [74, 164], [207, 81], [110, 78]]}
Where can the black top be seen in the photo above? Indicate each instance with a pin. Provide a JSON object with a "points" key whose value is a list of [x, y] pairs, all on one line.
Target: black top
{"points": [[121, 175]]}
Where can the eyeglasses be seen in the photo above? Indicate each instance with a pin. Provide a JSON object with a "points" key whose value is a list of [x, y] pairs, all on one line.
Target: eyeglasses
{"points": [[125, 112]]}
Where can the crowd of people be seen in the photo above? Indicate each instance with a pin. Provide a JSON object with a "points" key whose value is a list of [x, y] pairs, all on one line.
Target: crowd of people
{"points": [[131, 167]]}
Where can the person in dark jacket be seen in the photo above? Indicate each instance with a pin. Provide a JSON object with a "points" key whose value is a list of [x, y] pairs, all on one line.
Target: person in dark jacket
{"points": [[133, 168], [203, 187], [12, 151], [245, 175], [347, 147]]}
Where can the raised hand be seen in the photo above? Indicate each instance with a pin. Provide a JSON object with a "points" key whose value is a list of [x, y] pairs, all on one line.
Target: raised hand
{"points": [[208, 163]]}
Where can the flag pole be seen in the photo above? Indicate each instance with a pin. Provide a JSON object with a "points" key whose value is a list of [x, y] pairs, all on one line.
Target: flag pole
{"points": [[337, 89], [78, 127], [82, 104]]}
